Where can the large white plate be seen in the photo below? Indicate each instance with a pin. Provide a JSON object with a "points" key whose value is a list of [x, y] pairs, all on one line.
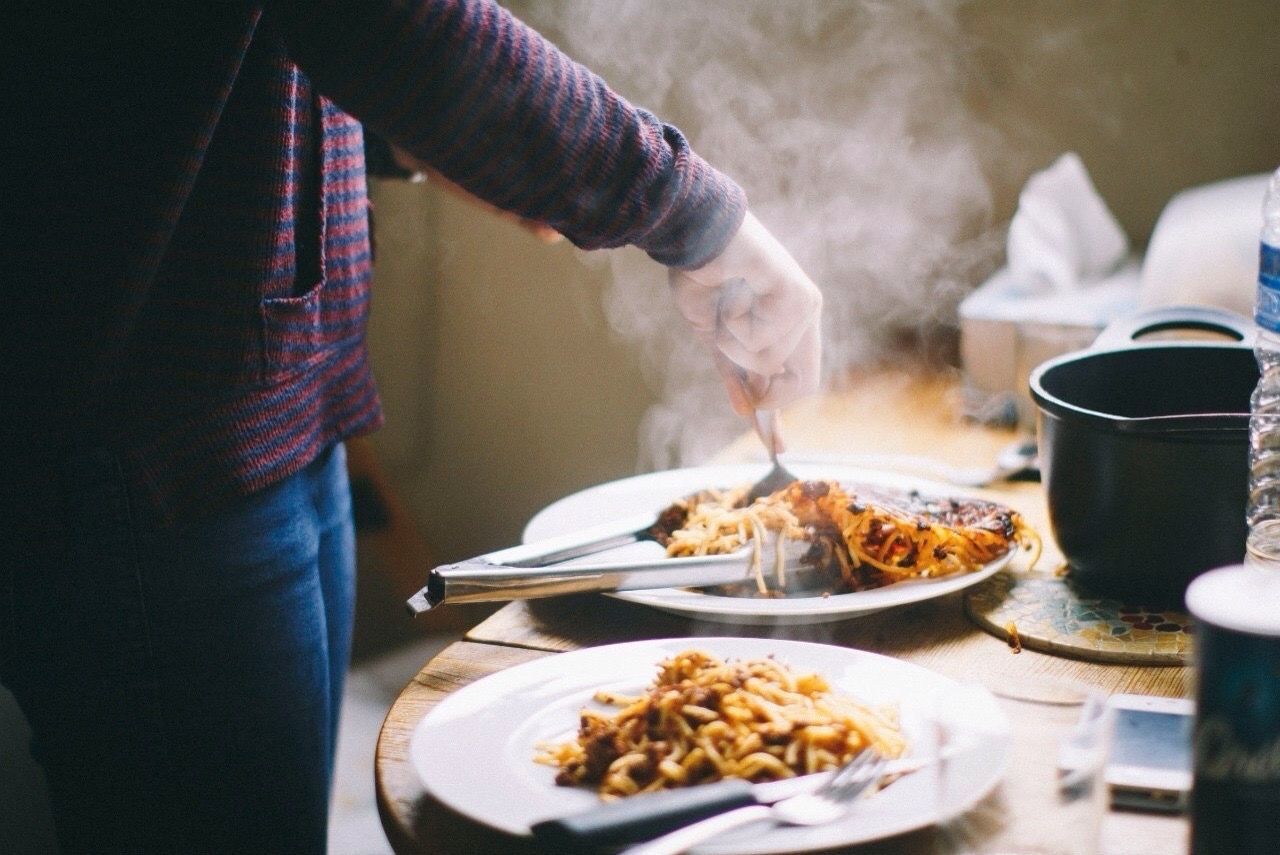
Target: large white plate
{"points": [[474, 751], [657, 490]]}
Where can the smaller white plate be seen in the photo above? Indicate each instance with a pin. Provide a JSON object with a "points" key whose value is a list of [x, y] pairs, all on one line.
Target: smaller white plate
{"points": [[474, 751], [657, 490]]}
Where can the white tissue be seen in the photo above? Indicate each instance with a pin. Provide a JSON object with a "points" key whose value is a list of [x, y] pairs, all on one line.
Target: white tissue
{"points": [[1063, 237]]}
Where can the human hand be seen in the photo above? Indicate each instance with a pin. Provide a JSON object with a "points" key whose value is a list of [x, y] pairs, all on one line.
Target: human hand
{"points": [[759, 313], [541, 231]]}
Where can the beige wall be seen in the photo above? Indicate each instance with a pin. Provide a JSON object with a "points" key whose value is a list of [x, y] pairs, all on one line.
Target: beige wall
{"points": [[506, 387], [502, 386]]}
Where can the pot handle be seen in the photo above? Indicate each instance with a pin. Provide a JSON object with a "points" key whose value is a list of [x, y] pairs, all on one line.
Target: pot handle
{"points": [[1126, 331]]}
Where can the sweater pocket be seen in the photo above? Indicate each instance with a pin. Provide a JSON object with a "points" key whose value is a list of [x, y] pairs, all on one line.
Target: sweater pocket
{"points": [[302, 329], [293, 333]]}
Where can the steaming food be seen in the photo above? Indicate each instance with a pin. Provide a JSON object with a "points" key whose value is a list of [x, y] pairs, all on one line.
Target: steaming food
{"points": [[703, 719], [860, 540]]}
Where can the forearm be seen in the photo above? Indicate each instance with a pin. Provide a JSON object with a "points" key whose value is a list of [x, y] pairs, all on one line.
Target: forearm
{"points": [[497, 109]]}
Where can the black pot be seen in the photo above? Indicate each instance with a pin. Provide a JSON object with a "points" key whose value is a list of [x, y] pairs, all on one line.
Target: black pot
{"points": [[1144, 452]]}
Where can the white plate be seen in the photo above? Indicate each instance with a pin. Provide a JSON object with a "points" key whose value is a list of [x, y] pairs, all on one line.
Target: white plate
{"points": [[474, 751], [657, 490]]}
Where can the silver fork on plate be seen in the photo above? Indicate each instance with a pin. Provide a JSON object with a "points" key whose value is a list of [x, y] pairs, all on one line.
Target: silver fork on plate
{"points": [[826, 804]]}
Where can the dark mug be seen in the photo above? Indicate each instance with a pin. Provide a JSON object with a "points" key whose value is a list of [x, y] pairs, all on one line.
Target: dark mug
{"points": [[1235, 797]]}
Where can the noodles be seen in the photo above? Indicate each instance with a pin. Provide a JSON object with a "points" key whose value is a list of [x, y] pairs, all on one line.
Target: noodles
{"points": [[718, 522], [704, 719], [861, 541]]}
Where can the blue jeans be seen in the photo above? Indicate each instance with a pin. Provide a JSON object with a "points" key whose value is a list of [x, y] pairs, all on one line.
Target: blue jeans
{"points": [[183, 683]]}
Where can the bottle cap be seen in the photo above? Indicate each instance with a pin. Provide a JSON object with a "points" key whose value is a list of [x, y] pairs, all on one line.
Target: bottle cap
{"points": [[1242, 599]]}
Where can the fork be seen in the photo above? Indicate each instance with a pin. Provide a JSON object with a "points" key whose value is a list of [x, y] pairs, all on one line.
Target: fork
{"points": [[826, 804], [766, 424]]}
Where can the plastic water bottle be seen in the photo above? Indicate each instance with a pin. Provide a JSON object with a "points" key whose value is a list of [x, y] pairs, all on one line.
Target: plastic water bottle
{"points": [[1264, 420]]}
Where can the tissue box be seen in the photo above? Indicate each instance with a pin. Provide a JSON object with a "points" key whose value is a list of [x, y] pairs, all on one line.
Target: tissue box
{"points": [[1007, 329]]}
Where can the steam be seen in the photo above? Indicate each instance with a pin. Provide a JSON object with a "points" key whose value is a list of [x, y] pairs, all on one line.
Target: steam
{"points": [[850, 127]]}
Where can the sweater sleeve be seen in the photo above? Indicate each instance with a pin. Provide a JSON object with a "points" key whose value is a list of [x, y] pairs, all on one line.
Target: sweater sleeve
{"points": [[466, 87]]}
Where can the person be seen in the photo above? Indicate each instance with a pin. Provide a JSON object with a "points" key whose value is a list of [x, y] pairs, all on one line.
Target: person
{"points": [[187, 282]]}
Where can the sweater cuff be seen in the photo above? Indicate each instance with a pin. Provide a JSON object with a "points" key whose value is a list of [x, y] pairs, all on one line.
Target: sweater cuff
{"points": [[707, 212]]}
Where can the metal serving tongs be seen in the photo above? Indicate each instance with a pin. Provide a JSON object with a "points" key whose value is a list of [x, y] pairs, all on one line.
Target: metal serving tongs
{"points": [[552, 567], [555, 566]]}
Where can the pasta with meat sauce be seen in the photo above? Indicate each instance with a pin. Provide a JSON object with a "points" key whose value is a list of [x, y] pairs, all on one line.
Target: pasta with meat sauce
{"points": [[704, 719], [859, 540]]}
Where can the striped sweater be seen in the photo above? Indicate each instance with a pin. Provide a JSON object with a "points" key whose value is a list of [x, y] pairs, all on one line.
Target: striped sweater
{"points": [[189, 273]]}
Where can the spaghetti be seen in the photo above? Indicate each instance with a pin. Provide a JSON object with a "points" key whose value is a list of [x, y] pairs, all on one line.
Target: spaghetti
{"points": [[715, 522], [860, 541], [704, 719]]}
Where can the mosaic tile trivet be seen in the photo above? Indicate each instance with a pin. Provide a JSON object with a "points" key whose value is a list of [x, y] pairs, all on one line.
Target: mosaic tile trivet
{"points": [[1050, 616]]}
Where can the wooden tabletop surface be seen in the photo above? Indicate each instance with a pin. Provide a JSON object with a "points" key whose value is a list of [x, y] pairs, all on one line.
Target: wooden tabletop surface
{"points": [[889, 414]]}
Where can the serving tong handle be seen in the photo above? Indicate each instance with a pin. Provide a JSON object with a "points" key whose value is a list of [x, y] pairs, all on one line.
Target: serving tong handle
{"points": [[538, 569]]}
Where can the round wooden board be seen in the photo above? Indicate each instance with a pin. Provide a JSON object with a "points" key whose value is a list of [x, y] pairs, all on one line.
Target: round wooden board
{"points": [[1049, 615]]}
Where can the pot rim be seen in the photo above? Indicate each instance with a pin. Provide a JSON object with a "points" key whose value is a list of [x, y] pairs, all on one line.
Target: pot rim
{"points": [[1189, 423]]}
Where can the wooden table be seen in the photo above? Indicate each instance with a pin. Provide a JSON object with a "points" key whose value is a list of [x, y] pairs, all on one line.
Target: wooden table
{"points": [[886, 413]]}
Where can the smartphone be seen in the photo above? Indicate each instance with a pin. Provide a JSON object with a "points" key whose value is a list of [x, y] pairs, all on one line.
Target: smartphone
{"points": [[1149, 762]]}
